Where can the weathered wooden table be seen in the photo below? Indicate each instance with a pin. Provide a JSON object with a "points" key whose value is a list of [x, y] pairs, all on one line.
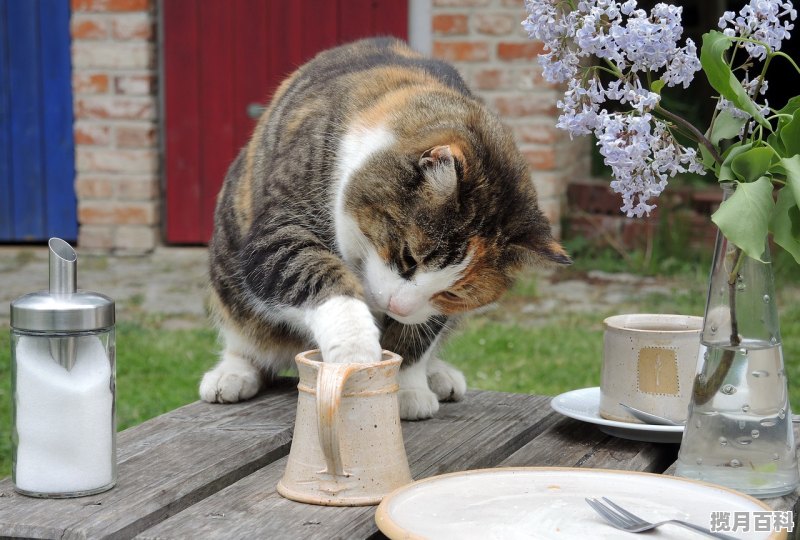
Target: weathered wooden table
{"points": [[209, 471]]}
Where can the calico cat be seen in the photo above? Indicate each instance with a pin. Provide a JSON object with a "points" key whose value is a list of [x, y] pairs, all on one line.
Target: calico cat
{"points": [[376, 201]]}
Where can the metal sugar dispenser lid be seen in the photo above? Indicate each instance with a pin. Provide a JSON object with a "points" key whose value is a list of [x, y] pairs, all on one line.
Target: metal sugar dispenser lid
{"points": [[63, 309]]}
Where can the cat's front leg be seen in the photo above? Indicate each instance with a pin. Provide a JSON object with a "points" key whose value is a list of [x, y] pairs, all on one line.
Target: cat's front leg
{"points": [[345, 331], [417, 401], [447, 382], [235, 377]]}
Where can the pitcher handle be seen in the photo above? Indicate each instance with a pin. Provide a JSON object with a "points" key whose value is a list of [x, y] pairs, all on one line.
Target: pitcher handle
{"points": [[330, 384]]}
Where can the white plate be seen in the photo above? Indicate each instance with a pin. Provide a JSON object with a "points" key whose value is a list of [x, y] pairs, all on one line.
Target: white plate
{"points": [[584, 404], [544, 503]]}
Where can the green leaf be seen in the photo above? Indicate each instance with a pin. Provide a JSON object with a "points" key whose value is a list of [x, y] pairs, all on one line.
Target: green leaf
{"points": [[785, 223], [725, 172], [726, 126], [722, 79], [707, 159], [775, 142], [745, 216], [657, 86], [790, 135], [752, 164], [791, 166], [791, 106]]}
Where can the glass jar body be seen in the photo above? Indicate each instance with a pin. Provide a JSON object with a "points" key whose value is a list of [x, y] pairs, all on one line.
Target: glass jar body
{"points": [[739, 428], [64, 421]]}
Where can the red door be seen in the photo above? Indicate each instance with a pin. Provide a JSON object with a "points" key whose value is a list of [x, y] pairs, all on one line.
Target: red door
{"points": [[222, 57]]}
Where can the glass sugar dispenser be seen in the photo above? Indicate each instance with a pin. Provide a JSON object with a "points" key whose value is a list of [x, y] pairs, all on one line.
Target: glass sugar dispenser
{"points": [[63, 386]]}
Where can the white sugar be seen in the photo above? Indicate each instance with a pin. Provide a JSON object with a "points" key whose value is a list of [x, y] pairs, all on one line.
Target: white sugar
{"points": [[63, 418]]}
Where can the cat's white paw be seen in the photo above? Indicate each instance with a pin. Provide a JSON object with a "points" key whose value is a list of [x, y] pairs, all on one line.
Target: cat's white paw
{"points": [[417, 403], [359, 351], [230, 381], [345, 331], [447, 382]]}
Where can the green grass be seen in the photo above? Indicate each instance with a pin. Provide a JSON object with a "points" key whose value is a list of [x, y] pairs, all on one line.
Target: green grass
{"points": [[159, 370], [541, 359]]}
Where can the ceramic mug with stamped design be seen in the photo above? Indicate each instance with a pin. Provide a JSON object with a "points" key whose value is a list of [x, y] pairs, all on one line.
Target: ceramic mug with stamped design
{"points": [[649, 362]]}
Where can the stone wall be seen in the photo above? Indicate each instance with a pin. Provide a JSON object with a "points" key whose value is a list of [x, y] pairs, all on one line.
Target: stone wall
{"points": [[117, 118], [484, 39], [116, 124]]}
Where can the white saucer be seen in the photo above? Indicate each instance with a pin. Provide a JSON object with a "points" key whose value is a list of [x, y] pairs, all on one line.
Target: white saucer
{"points": [[584, 404]]}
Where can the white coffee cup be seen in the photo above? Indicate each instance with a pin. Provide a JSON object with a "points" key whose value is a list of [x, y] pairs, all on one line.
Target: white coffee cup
{"points": [[649, 363]]}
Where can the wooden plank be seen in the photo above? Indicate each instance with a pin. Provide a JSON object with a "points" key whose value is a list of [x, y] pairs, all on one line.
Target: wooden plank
{"points": [[217, 149], [60, 202], [26, 122], [6, 187], [295, 27], [250, 65], [390, 18], [285, 55], [165, 465], [355, 19], [324, 33], [181, 121], [476, 433], [571, 443]]}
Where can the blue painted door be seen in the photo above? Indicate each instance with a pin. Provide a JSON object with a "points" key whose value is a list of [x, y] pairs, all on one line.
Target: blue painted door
{"points": [[37, 160]]}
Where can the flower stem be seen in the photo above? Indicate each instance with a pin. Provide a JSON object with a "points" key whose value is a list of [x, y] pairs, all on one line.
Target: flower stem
{"points": [[789, 58], [706, 387], [693, 131]]}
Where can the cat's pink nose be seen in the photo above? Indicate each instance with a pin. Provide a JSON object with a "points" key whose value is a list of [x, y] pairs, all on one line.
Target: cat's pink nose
{"points": [[399, 308]]}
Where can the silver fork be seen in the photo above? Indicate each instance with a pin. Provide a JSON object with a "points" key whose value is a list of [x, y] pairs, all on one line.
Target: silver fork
{"points": [[624, 520]]}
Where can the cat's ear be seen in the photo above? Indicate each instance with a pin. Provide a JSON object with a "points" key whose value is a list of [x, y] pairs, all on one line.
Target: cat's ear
{"points": [[439, 167], [540, 249]]}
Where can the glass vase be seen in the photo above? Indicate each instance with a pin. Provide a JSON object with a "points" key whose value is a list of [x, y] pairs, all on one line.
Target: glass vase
{"points": [[739, 428]]}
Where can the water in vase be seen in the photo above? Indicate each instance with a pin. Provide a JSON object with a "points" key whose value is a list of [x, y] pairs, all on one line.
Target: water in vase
{"points": [[742, 437]]}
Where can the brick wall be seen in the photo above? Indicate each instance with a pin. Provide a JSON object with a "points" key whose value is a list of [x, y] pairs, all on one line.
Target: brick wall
{"points": [[116, 124], [484, 39]]}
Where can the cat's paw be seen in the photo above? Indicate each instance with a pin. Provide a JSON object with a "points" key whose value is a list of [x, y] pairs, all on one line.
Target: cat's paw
{"points": [[417, 403], [345, 331], [230, 382], [445, 381], [361, 351]]}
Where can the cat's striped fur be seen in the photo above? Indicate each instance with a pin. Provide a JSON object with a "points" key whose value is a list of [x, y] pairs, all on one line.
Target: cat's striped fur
{"points": [[376, 200]]}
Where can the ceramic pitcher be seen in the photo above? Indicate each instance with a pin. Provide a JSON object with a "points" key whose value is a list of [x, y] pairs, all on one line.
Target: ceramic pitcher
{"points": [[347, 448]]}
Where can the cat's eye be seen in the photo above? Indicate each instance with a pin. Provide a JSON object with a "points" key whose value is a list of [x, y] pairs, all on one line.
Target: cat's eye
{"points": [[408, 259], [427, 259], [449, 296]]}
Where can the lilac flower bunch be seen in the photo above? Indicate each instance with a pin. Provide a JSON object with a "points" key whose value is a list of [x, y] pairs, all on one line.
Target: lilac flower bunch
{"points": [[643, 52], [639, 147]]}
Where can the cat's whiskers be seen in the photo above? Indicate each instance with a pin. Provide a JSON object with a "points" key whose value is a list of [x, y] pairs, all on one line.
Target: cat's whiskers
{"points": [[429, 333], [405, 337], [443, 326], [419, 344]]}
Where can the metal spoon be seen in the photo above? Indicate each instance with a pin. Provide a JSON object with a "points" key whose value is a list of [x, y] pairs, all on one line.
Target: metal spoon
{"points": [[649, 418], [654, 419]]}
